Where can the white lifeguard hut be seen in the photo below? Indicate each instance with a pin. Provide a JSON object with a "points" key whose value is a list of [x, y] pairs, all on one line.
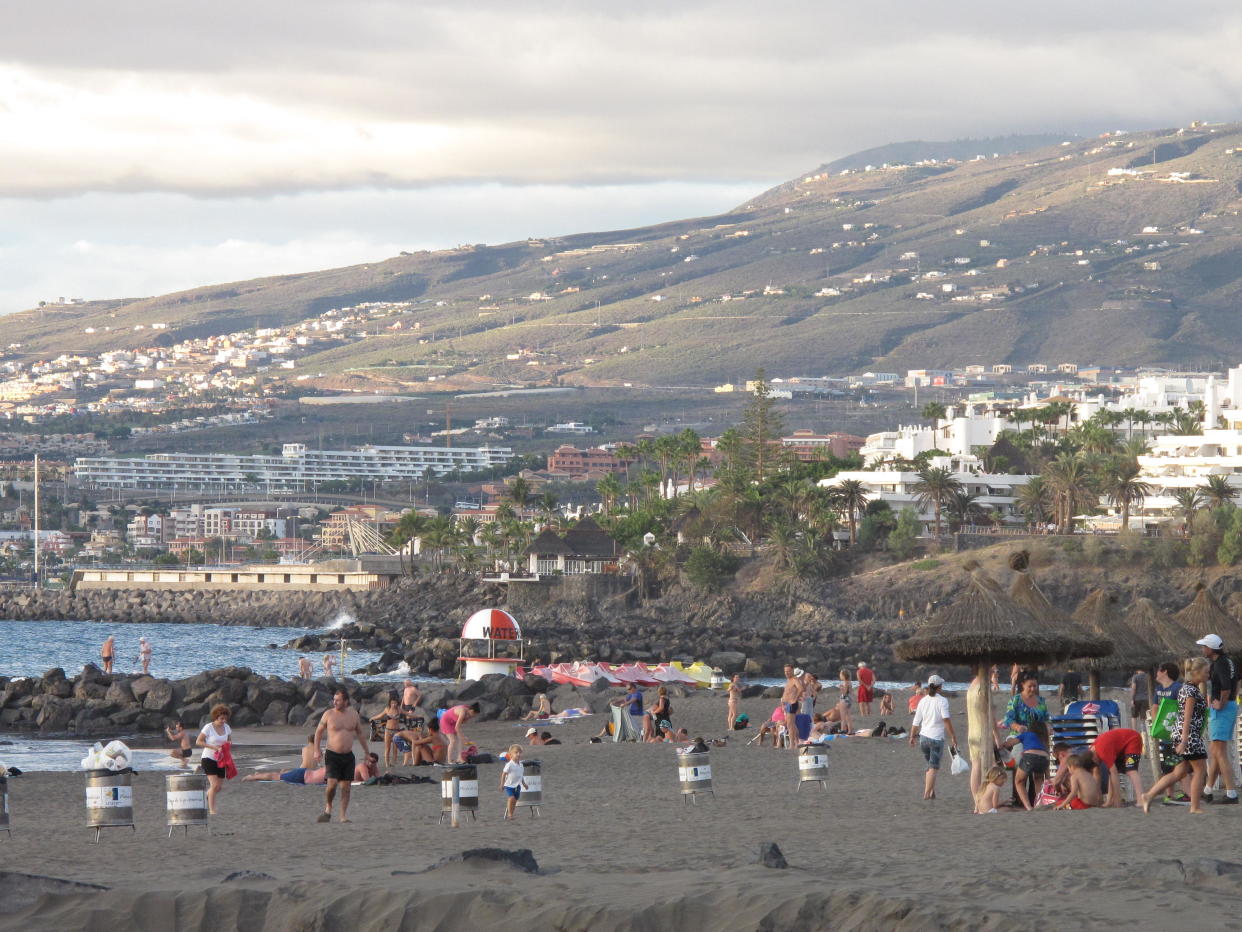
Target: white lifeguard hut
{"points": [[491, 642]]}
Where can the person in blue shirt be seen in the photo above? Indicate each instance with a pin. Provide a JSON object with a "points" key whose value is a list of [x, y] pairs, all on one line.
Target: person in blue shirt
{"points": [[1034, 760], [635, 698]]}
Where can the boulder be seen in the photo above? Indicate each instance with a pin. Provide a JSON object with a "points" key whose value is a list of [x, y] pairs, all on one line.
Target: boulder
{"points": [[244, 717], [140, 685], [298, 715], [159, 697], [729, 661], [536, 684], [770, 856], [276, 713], [55, 715], [198, 687], [120, 693]]}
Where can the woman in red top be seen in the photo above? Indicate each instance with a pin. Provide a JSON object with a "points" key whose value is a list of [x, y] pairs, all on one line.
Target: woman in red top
{"points": [[1119, 750]]}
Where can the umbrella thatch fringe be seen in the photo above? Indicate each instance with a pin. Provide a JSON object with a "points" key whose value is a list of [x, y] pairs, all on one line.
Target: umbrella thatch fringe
{"points": [[1100, 614], [1205, 615], [1155, 626], [985, 623]]}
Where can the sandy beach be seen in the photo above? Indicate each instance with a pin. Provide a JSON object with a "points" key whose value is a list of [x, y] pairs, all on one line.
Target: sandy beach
{"points": [[618, 849]]}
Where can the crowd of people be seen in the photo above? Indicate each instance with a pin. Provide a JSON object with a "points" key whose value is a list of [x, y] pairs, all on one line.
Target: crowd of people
{"points": [[1191, 729]]}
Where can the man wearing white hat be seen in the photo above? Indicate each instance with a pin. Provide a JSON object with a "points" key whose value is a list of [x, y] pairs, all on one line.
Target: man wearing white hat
{"points": [[1222, 687], [144, 655]]}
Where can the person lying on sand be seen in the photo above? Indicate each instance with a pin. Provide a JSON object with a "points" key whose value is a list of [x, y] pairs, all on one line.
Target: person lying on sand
{"points": [[1084, 786], [298, 775], [541, 738]]}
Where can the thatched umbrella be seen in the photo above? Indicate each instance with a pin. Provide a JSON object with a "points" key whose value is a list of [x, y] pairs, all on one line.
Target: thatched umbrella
{"points": [[1100, 614], [1026, 593], [981, 626], [1153, 624], [1205, 615]]}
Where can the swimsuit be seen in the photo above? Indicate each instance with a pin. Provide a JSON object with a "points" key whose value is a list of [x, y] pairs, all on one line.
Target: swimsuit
{"points": [[339, 766]]}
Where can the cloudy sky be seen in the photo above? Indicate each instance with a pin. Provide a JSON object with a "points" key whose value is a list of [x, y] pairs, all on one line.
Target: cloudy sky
{"points": [[149, 146]]}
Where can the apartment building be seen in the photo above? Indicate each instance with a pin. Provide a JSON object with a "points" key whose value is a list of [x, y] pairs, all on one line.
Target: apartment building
{"points": [[296, 469]]}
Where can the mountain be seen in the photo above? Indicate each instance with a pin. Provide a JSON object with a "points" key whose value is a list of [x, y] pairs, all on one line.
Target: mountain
{"points": [[1122, 249]]}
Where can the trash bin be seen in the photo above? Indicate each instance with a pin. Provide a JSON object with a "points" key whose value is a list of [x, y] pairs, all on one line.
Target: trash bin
{"points": [[467, 790], [109, 799], [694, 769], [532, 795], [4, 806], [185, 796], [813, 766]]}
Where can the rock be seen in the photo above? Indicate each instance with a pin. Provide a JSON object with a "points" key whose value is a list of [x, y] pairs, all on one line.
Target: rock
{"points": [[140, 686], [244, 717], [753, 691], [55, 715], [536, 684], [298, 715], [522, 859], [119, 692], [729, 661], [247, 877], [159, 697], [276, 713], [770, 856], [773, 692]]}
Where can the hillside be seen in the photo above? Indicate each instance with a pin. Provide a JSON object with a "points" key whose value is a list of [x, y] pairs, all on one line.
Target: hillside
{"points": [[1124, 249]]}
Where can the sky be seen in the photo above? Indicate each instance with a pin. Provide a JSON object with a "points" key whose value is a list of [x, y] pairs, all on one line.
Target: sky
{"points": [[152, 146]]}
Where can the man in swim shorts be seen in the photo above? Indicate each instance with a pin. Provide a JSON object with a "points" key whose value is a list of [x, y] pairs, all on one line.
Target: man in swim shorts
{"points": [[1222, 686], [791, 696], [342, 726], [1119, 750]]}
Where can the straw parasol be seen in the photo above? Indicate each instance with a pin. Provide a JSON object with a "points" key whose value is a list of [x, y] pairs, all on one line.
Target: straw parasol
{"points": [[1205, 615], [981, 626], [1026, 593], [1154, 625], [1100, 614]]}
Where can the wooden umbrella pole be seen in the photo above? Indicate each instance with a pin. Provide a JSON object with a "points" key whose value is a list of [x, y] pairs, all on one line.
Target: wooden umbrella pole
{"points": [[1093, 681]]}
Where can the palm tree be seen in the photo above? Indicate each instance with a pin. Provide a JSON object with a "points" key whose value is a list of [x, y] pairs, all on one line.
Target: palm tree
{"points": [[1217, 491], [519, 492], [1189, 501], [850, 497], [1125, 489], [1070, 484], [1033, 500], [609, 490], [548, 503], [963, 508], [1186, 424], [935, 488], [934, 411]]}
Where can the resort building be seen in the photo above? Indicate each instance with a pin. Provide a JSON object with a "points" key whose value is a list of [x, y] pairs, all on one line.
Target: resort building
{"points": [[996, 492], [956, 434], [586, 548], [808, 445], [297, 469]]}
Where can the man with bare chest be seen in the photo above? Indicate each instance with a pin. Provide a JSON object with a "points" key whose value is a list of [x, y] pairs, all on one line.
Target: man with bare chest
{"points": [[343, 726]]}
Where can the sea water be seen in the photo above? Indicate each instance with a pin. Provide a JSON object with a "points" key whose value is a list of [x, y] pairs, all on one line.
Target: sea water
{"points": [[31, 648]]}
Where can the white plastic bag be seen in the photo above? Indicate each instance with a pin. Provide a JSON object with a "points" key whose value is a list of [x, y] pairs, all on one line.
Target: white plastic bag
{"points": [[960, 765]]}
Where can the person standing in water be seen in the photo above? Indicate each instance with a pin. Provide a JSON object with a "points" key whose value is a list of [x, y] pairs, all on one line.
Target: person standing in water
{"points": [[107, 653], [144, 655], [329, 661], [305, 668]]}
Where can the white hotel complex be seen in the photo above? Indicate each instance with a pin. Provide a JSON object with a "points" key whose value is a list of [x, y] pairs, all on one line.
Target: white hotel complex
{"points": [[297, 469]]}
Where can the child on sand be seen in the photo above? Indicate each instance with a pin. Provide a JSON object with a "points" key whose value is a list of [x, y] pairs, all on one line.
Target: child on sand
{"points": [[988, 797], [512, 779], [1084, 787], [1034, 759]]}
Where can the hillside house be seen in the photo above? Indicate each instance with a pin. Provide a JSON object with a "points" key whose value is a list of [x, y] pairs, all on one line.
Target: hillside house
{"points": [[586, 548]]}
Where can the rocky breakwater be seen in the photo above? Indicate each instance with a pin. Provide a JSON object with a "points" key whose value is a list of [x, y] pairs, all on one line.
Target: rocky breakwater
{"points": [[98, 704]]}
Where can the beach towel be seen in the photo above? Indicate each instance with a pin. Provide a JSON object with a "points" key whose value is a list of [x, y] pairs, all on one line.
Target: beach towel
{"points": [[622, 726], [224, 760]]}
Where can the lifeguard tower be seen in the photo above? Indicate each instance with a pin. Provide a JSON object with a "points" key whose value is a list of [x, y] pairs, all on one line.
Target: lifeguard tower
{"points": [[491, 642]]}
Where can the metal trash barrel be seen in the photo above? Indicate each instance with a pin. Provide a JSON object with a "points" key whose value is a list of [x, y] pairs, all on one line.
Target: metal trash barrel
{"points": [[695, 772], [109, 799], [532, 795], [467, 790], [185, 797], [813, 766], [4, 805]]}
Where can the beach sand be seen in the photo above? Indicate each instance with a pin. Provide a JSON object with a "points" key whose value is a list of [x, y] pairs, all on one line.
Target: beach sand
{"points": [[618, 849]]}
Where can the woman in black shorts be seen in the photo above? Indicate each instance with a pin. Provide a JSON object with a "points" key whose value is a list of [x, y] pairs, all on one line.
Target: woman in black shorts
{"points": [[1187, 736], [215, 735]]}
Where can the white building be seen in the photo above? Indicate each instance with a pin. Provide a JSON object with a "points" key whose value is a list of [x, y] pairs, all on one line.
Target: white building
{"points": [[296, 469], [957, 434], [996, 493]]}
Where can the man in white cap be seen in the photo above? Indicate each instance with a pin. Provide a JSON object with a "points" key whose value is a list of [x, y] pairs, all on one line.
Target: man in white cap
{"points": [[144, 655], [1222, 686], [931, 723]]}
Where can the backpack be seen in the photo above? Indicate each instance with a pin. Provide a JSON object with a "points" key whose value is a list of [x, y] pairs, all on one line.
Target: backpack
{"points": [[742, 721]]}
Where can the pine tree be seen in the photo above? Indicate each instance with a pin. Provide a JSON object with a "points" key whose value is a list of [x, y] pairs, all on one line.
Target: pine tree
{"points": [[761, 426]]}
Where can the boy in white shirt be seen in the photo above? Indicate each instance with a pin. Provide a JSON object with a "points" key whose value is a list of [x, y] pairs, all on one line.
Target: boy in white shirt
{"points": [[512, 779], [931, 722]]}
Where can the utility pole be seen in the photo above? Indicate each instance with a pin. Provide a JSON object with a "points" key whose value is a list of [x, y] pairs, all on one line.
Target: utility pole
{"points": [[36, 522]]}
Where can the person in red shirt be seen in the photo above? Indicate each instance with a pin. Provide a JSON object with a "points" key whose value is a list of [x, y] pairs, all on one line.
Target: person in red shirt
{"points": [[1119, 750], [866, 687]]}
